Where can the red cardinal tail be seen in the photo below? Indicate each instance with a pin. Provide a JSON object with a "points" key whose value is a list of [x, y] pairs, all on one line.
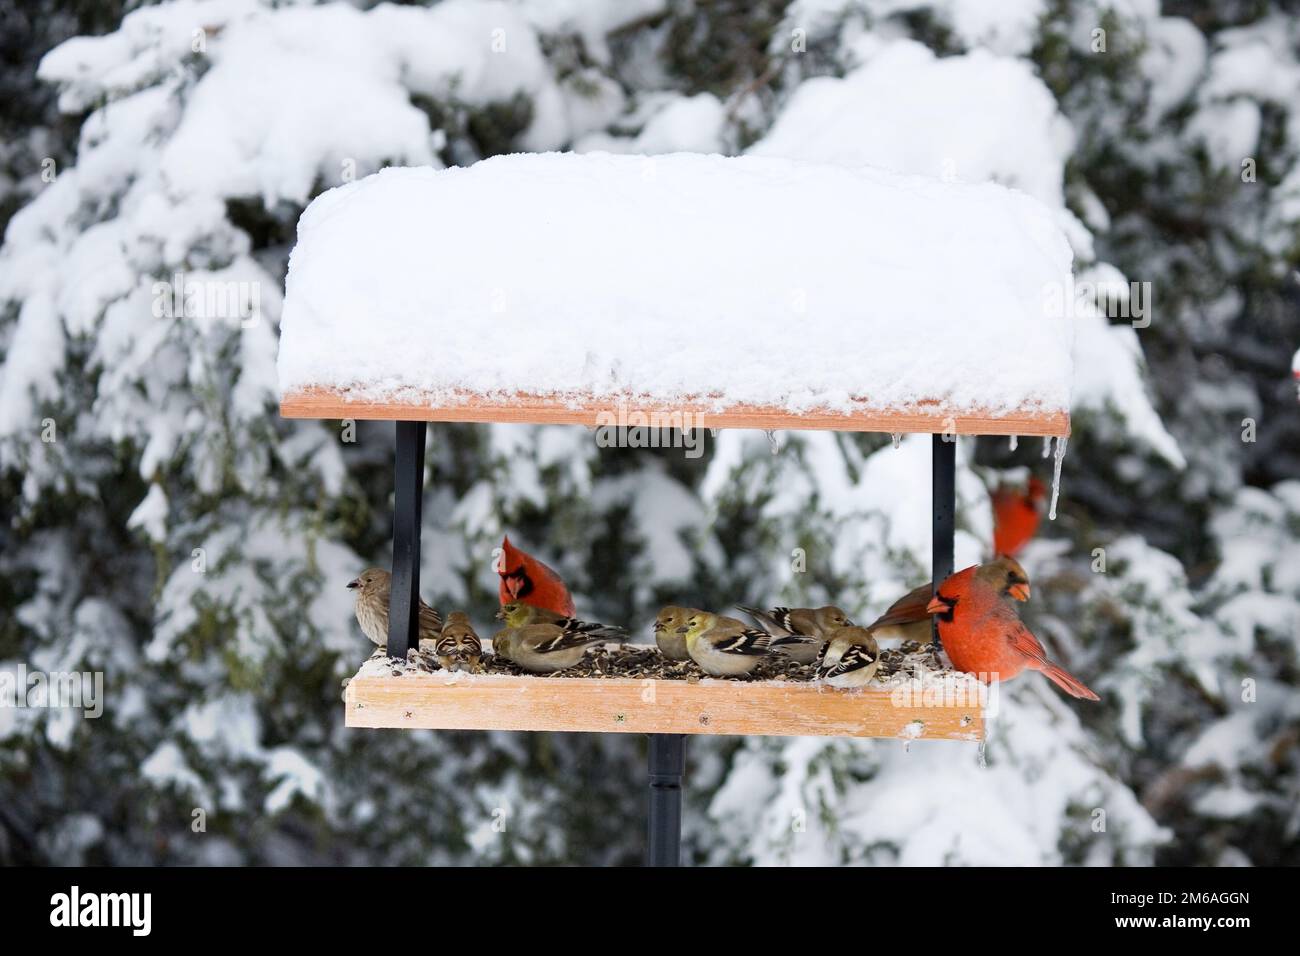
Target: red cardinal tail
{"points": [[1067, 682]]}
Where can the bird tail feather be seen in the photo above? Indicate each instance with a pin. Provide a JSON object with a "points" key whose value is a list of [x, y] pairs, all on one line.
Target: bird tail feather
{"points": [[1067, 682]]}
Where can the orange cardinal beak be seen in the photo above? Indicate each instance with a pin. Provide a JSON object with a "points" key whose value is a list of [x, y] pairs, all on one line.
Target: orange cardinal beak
{"points": [[937, 605], [1019, 591], [514, 584]]}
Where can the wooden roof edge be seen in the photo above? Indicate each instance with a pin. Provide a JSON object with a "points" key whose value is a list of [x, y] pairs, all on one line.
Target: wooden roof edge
{"points": [[927, 417]]}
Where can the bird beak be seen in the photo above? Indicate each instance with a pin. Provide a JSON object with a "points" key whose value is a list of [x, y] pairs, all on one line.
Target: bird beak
{"points": [[513, 585], [1019, 591], [501, 614], [937, 605], [658, 626], [354, 584], [682, 630]]}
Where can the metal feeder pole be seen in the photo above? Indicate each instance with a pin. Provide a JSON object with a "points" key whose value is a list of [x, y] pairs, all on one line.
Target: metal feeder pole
{"points": [[408, 506], [943, 483], [664, 833]]}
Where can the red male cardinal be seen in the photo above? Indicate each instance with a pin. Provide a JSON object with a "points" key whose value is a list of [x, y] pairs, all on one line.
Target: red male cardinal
{"points": [[1016, 516], [982, 632], [528, 581]]}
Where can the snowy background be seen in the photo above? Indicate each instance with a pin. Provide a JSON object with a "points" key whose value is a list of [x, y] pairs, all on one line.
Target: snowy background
{"points": [[163, 525]]}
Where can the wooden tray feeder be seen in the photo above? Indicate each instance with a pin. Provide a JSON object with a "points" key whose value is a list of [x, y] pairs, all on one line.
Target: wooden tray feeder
{"points": [[380, 698]]}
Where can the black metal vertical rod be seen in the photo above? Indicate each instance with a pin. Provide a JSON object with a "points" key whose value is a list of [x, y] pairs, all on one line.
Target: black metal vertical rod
{"points": [[664, 834], [943, 488], [408, 509]]}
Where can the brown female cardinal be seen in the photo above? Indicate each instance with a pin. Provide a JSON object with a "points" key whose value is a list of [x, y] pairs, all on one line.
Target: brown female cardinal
{"points": [[526, 580], [983, 634], [1017, 513]]}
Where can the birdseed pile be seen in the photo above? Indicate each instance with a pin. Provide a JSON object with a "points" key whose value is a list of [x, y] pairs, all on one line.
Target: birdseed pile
{"points": [[909, 661]]}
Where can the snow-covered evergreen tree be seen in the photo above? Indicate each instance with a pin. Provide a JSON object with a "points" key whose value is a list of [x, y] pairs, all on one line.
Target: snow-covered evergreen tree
{"points": [[164, 526]]}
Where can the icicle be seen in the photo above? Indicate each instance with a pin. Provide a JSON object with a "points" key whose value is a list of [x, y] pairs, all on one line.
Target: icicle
{"points": [[1056, 474], [983, 763], [771, 440], [1015, 441], [898, 439], [1047, 445]]}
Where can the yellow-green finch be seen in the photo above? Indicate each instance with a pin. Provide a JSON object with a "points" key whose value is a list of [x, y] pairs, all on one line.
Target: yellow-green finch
{"points": [[725, 647], [545, 648], [519, 614], [671, 643], [850, 658]]}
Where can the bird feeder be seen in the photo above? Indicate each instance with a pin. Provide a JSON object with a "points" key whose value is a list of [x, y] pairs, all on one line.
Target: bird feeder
{"points": [[703, 291]]}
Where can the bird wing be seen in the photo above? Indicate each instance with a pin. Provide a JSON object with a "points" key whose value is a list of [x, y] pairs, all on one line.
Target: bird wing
{"points": [[750, 641], [777, 618], [820, 660], [908, 609], [794, 640], [1024, 642], [855, 657], [575, 633], [429, 618], [461, 638]]}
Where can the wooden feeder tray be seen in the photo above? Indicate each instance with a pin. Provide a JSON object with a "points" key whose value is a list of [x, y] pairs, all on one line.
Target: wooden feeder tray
{"points": [[388, 694]]}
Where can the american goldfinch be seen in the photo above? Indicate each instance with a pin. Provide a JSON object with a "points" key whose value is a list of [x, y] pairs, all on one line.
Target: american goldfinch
{"points": [[524, 578], [813, 622], [725, 647], [373, 586], [458, 647], [850, 658], [671, 643], [545, 648], [981, 630], [519, 614]]}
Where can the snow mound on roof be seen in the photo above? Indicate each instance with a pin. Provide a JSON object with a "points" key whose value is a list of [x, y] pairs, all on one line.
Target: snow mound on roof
{"points": [[747, 280]]}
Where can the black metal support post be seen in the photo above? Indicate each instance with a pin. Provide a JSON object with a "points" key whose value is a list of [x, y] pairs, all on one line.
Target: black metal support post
{"points": [[408, 499], [943, 483], [667, 764]]}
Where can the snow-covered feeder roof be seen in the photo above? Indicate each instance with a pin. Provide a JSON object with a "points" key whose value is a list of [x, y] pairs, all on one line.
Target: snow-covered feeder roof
{"points": [[755, 291]]}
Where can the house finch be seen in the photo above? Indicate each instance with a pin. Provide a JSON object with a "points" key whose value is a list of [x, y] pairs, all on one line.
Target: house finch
{"points": [[458, 647], [849, 658], [527, 580], [816, 623], [545, 648], [1017, 512], [671, 643], [373, 586], [981, 631], [725, 647]]}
